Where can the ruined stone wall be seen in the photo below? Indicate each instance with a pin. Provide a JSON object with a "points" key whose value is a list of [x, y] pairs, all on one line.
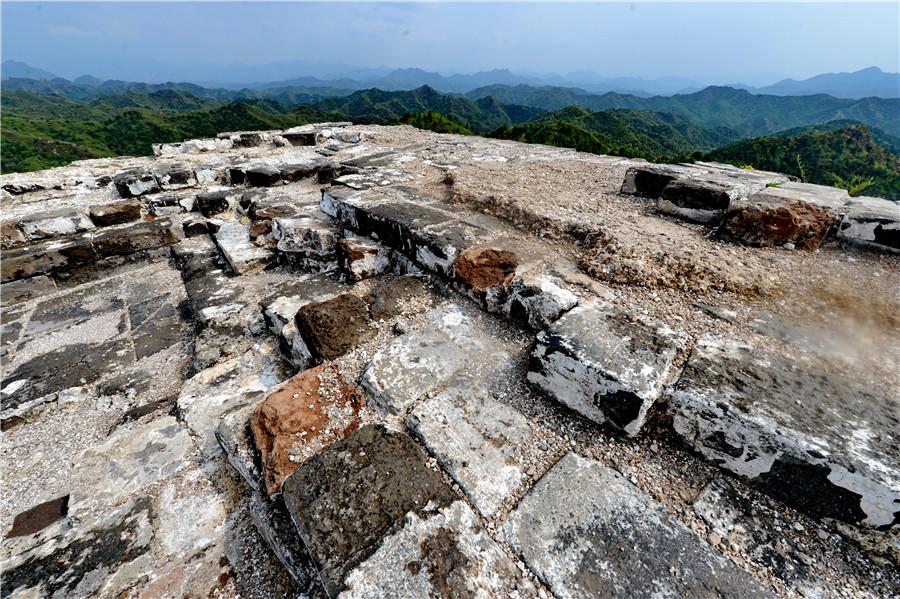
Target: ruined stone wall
{"points": [[372, 361]]}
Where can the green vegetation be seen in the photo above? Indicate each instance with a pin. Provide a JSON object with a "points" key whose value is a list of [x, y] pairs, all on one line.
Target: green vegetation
{"points": [[434, 121], [749, 114], [847, 157], [377, 106], [635, 133], [45, 130]]}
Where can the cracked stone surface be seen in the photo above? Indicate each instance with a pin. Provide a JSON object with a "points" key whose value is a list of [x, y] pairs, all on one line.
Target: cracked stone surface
{"points": [[607, 364], [588, 532], [474, 437], [447, 554]]}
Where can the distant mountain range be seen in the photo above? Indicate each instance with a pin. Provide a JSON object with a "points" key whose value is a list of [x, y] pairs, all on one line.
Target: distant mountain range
{"points": [[345, 79], [860, 84], [835, 147], [14, 68], [748, 114]]}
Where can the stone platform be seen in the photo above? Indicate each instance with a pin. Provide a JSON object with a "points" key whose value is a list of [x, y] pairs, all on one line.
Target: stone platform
{"points": [[341, 361]]}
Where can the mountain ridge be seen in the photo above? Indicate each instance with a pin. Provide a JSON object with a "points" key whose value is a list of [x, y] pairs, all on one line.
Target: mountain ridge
{"points": [[870, 81]]}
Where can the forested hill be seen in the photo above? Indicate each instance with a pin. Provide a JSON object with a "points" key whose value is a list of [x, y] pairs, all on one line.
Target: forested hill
{"points": [[848, 157], [634, 133], [748, 114], [42, 130], [375, 105]]}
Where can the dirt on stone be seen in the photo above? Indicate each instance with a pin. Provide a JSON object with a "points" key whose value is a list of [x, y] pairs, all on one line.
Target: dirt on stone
{"points": [[483, 268], [773, 223], [308, 412], [333, 327]]}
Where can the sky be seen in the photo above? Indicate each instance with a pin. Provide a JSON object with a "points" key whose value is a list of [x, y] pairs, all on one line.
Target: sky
{"points": [[712, 42]]}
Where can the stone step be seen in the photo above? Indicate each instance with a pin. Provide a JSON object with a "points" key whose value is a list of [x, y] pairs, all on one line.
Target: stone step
{"points": [[110, 472], [305, 414], [769, 220], [307, 244], [281, 306], [64, 253], [443, 554], [588, 532], [475, 252], [606, 363], [408, 367], [107, 555], [872, 223], [817, 441], [242, 254], [737, 523]]}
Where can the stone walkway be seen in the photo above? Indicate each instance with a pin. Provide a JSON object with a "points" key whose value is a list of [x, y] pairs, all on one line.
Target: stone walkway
{"points": [[345, 361]]}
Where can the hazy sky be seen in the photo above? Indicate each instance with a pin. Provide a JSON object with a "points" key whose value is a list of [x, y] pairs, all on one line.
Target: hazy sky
{"points": [[756, 43]]}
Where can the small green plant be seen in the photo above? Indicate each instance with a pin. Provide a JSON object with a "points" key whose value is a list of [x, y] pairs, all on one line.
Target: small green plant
{"points": [[802, 171], [746, 167], [855, 184]]}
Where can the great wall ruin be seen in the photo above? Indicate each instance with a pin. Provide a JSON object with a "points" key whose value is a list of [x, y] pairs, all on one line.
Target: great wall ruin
{"points": [[363, 361]]}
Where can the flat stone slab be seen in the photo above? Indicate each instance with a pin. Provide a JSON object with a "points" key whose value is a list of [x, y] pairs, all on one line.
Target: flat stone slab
{"points": [[105, 556], [538, 301], [832, 198], [22, 290], [68, 366], [649, 180], [307, 243], [873, 223], [333, 327], [817, 441], [213, 202], [128, 461], [135, 182], [76, 306], [447, 554], [242, 255], [280, 308], [409, 366], [349, 496], [201, 413], [117, 213], [588, 532], [419, 227], [475, 438], [606, 363], [699, 200], [46, 257], [55, 223], [362, 258]]}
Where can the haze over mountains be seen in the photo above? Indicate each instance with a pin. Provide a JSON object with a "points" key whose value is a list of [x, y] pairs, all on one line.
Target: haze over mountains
{"points": [[867, 82]]}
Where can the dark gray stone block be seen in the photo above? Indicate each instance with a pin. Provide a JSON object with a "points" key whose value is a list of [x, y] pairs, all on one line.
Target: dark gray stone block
{"points": [[346, 498], [817, 441]]}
